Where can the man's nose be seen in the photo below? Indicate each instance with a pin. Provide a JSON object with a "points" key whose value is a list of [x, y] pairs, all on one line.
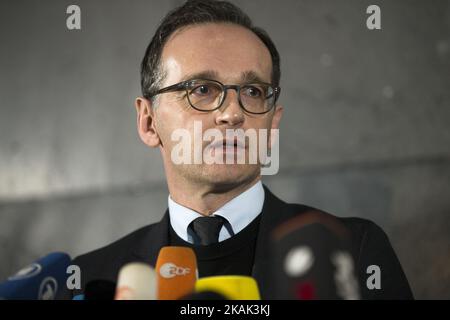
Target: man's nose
{"points": [[230, 112]]}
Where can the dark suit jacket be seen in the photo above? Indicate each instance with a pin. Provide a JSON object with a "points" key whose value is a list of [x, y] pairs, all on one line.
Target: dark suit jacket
{"points": [[369, 244]]}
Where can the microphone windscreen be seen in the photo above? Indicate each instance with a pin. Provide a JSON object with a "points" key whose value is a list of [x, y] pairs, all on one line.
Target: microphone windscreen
{"points": [[176, 271], [100, 290], [136, 281], [311, 259], [231, 287], [41, 280]]}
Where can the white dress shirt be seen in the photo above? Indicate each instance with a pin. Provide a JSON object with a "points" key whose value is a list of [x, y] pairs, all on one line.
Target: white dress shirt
{"points": [[239, 212]]}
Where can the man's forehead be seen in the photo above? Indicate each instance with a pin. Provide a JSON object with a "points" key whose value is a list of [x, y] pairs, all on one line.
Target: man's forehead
{"points": [[216, 51]]}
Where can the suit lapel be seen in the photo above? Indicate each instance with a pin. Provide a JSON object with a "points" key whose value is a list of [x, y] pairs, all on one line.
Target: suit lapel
{"points": [[147, 248], [274, 212]]}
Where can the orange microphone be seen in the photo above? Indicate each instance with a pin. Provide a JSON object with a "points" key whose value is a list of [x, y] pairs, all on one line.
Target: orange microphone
{"points": [[176, 271]]}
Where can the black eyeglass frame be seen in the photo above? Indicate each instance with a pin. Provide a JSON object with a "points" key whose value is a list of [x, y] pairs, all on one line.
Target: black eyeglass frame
{"points": [[184, 85]]}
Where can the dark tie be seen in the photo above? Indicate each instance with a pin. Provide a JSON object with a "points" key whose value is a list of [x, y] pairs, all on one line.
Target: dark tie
{"points": [[206, 229]]}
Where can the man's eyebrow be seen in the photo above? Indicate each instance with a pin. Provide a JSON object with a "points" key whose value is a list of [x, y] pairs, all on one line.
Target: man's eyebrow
{"points": [[207, 74], [246, 76], [251, 76]]}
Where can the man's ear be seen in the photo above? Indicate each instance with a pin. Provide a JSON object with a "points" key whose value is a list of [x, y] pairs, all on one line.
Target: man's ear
{"points": [[275, 121], [146, 122], [277, 117]]}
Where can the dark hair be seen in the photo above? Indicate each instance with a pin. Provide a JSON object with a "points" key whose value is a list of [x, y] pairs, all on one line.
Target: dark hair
{"points": [[197, 12]]}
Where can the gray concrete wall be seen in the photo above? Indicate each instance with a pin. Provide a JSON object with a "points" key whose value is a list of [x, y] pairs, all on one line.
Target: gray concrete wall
{"points": [[366, 130]]}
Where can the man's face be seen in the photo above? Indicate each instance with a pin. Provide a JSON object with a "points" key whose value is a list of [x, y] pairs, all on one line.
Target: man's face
{"points": [[226, 52]]}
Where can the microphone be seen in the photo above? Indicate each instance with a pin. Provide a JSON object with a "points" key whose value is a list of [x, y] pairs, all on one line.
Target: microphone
{"points": [[98, 290], [41, 280], [231, 287], [176, 271], [311, 259], [136, 281]]}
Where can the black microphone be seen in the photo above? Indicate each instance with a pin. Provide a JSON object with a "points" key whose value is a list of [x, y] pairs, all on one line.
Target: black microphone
{"points": [[100, 290], [311, 259]]}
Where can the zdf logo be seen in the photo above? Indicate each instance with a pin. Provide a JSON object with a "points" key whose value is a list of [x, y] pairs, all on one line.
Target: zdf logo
{"points": [[169, 270]]}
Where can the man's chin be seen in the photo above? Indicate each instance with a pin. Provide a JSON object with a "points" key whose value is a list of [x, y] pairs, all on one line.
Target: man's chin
{"points": [[230, 173]]}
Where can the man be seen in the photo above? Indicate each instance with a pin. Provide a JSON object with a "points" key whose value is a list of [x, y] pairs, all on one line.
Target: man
{"points": [[207, 64]]}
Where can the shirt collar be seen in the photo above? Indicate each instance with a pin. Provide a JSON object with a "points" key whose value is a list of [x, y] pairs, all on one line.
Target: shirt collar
{"points": [[239, 211]]}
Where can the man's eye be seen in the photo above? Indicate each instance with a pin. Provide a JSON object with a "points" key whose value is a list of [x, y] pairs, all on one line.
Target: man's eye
{"points": [[253, 92], [202, 90]]}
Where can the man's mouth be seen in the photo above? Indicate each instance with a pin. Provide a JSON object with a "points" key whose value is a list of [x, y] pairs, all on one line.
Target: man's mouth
{"points": [[230, 145]]}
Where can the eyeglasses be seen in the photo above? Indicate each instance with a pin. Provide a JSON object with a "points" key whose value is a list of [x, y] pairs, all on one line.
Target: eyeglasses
{"points": [[209, 95]]}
